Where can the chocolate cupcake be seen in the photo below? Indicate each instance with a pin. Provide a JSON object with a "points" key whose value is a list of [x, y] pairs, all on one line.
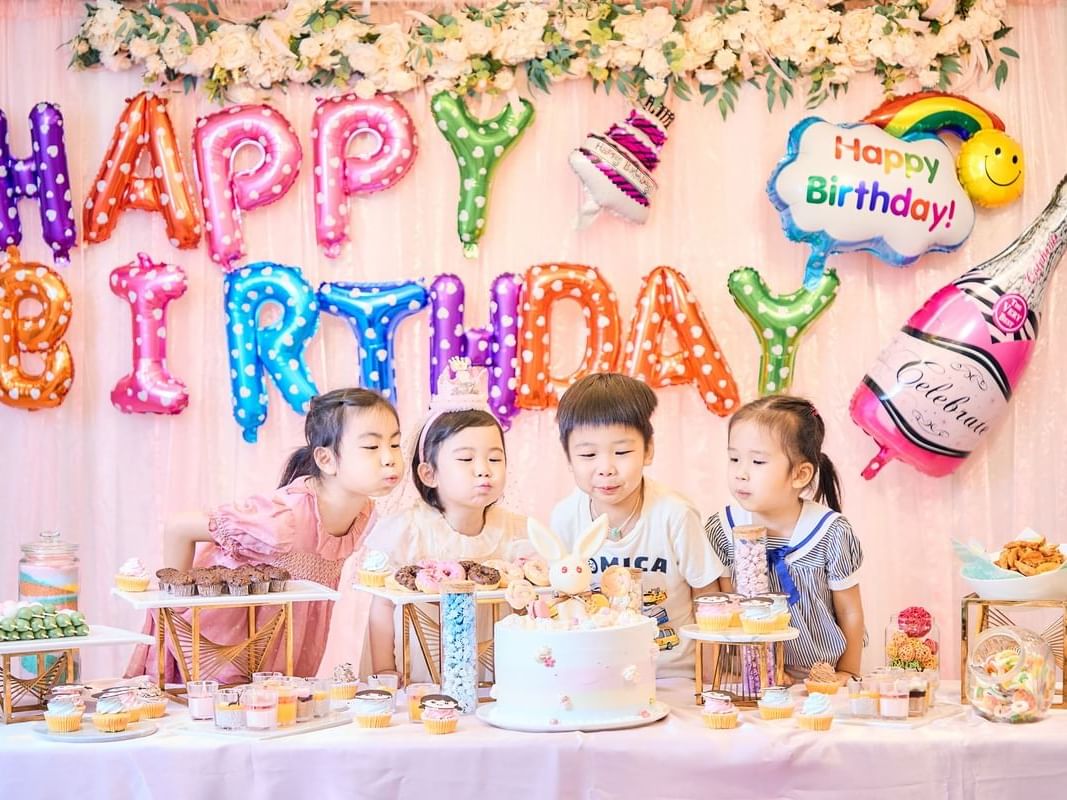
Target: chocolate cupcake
{"points": [[483, 577], [278, 578], [208, 583], [182, 584], [239, 582], [260, 579], [405, 576], [164, 577]]}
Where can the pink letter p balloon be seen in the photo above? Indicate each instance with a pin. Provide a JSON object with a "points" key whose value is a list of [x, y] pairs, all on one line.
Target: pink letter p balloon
{"points": [[226, 193]]}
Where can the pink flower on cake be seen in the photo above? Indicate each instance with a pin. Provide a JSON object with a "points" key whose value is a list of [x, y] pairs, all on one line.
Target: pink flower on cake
{"points": [[544, 656], [631, 673], [520, 594]]}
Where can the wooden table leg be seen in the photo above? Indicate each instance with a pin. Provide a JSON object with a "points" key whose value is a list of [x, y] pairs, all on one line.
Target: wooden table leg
{"points": [[779, 663], [196, 643], [161, 650], [8, 715], [762, 654], [288, 638], [70, 666], [405, 651]]}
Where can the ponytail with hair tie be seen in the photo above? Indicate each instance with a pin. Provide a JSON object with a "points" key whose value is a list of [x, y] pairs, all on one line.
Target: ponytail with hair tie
{"points": [[828, 488]]}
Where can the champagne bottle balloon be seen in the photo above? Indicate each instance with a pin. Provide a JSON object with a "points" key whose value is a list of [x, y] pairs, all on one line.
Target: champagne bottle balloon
{"points": [[939, 385]]}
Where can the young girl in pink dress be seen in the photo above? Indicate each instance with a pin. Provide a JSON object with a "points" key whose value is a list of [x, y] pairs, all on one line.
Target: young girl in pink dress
{"points": [[309, 525]]}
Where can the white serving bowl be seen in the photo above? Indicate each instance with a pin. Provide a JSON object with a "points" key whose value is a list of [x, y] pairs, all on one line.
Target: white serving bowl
{"points": [[1047, 586]]}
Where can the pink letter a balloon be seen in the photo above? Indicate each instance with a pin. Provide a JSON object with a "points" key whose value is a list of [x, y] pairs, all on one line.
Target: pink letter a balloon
{"points": [[952, 369]]}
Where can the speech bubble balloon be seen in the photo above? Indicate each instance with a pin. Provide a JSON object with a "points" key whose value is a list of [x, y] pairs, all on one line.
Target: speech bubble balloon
{"points": [[842, 188]]}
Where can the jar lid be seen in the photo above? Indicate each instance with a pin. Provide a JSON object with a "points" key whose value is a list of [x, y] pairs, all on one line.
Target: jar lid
{"points": [[49, 544]]}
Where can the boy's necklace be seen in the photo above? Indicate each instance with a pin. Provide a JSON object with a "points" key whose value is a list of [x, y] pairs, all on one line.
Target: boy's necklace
{"points": [[616, 533]]}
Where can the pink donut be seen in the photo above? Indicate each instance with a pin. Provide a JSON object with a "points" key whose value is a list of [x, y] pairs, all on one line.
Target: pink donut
{"points": [[451, 571], [428, 580]]}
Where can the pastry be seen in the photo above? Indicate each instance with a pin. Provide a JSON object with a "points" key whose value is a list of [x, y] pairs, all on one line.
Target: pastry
{"points": [[132, 576], [775, 703], [822, 679], [440, 713], [374, 569], [483, 577], [719, 712], [816, 714], [373, 707]]}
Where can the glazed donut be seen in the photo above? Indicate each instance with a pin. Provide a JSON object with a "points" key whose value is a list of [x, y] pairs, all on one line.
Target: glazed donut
{"points": [[509, 573], [483, 576], [536, 571], [405, 576]]}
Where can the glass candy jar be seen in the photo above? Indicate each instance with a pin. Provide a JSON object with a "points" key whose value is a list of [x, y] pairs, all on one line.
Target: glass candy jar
{"points": [[913, 641], [1011, 675]]}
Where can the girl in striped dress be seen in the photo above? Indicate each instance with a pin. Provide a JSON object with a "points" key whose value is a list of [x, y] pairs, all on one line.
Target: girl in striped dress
{"points": [[775, 463]]}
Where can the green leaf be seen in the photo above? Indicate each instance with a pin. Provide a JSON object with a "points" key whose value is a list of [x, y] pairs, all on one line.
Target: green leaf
{"points": [[1004, 31], [191, 8], [1009, 52], [1001, 74], [681, 89], [722, 107], [188, 83]]}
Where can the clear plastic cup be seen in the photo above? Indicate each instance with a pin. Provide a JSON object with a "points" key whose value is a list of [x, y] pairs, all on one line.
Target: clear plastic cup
{"points": [[201, 698], [391, 683], [286, 706], [229, 710], [261, 709], [320, 693]]}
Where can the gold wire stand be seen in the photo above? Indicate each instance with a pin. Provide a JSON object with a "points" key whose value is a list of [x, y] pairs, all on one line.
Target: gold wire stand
{"points": [[34, 690], [991, 616], [427, 628], [199, 656], [727, 668]]}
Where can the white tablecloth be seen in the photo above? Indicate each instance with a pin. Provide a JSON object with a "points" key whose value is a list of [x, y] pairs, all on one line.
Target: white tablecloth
{"points": [[962, 757]]}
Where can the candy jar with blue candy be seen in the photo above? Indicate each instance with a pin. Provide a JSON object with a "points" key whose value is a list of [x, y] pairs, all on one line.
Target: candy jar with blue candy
{"points": [[459, 644]]}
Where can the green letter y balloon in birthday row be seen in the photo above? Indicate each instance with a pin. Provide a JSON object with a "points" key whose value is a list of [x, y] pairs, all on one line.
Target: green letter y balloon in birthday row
{"points": [[478, 146], [779, 321]]}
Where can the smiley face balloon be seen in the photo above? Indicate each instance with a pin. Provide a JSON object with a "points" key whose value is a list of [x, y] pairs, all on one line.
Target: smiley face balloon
{"points": [[991, 168]]}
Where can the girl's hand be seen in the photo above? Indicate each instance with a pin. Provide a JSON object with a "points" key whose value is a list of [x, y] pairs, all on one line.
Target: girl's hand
{"points": [[844, 677]]}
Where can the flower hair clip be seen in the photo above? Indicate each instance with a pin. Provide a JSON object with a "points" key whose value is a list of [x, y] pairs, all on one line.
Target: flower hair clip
{"points": [[459, 388]]}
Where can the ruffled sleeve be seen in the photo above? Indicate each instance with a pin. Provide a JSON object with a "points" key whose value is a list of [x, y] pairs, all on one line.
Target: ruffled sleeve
{"points": [[257, 529], [844, 556]]}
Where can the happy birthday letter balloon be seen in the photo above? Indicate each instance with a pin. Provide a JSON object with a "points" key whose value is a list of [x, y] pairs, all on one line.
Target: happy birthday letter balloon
{"points": [[144, 127], [666, 302], [779, 321], [149, 286], [546, 285], [478, 145], [225, 192], [23, 332], [42, 176], [338, 176]]}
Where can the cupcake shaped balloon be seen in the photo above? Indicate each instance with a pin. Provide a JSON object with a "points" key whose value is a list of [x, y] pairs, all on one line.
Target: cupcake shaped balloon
{"points": [[615, 167]]}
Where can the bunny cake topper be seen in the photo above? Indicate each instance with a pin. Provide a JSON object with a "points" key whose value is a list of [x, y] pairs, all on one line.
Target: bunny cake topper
{"points": [[568, 571], [459, 388]]}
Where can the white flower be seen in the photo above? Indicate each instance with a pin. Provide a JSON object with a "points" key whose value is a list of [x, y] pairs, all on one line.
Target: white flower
{"points": [[201, 60], [115, 62], [504, 81], [154, 67], [477, 38], [455, 50], [363, 57], [141, 48], [579, 67], [296, 12], [929, 78], [941, 10], [365, 89], [273, 36], [655, 88], [725, 60], [392, 45], [625, 57], [400, 80], [235, 46], [709, 77], [170, 49], [655, 64]]}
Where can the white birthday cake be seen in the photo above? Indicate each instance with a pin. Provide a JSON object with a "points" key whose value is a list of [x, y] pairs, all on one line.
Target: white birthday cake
{"points": [[570, 679]]}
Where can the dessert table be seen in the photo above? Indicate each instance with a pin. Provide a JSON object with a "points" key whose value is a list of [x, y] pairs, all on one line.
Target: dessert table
{"points": [[958, 757]]}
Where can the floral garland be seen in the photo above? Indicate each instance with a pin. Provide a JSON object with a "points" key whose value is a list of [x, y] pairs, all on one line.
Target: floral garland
{"points": [[643, 52]]}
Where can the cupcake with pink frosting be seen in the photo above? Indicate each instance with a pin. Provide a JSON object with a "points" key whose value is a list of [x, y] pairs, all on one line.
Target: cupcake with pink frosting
{"points": [[132, 576], [719, 712]]}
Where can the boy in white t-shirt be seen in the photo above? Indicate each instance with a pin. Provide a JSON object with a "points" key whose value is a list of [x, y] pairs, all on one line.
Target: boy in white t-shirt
{"points": [[606, 430]]}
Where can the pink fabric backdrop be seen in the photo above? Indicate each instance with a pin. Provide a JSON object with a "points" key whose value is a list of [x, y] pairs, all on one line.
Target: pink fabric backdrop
{"points": [[108, 480]]}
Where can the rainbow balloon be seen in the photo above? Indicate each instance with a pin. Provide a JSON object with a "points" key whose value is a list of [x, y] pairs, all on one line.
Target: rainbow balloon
{"points": [[933, 112], [990, 163]]}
